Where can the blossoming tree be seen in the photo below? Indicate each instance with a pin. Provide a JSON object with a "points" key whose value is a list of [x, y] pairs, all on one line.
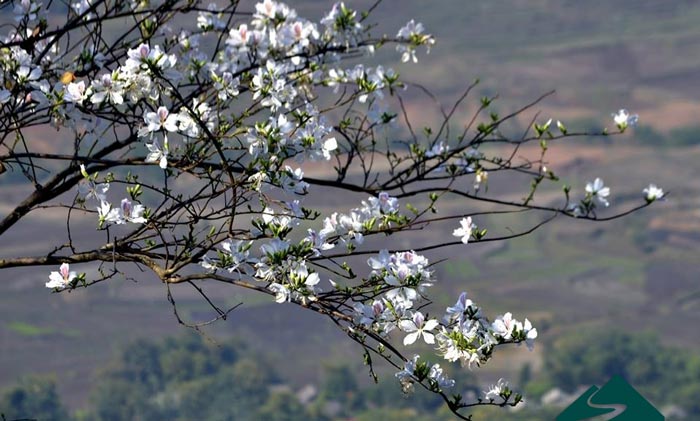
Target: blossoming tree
{"points": [[188, 145]]}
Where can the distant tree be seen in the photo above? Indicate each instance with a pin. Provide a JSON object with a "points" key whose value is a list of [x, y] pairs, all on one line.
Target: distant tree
{"points": [[182, 378], [183, 133], [340, 385], [33, 398], [282, 406], [647, 135], [684, 136]]}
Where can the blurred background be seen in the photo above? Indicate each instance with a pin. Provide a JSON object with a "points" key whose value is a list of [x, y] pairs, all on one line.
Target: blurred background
{"points": [[620, 297]]}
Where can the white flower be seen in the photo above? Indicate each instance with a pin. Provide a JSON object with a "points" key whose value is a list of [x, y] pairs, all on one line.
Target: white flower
{"points": [[466, 229], [439, 377], [598, 189], [274, 247], [438, 149], [496, 390], [237, 253], [62, 278], [239, 37], [382, 261], [318, 241], [418, 327], [412, 35], [383, 202], [405, 375], [131, 213], [106, 213], [459, 309], [300, 276], [281, 292], [155, 154], [504, 326], [623, 119], [369, 314], [105, 87], [652, 193], [159, 119], [90, 190], [75, 92]]}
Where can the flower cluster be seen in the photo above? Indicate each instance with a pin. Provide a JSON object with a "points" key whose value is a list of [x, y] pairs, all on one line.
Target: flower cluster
{"points": [[413, 33], [108, 214], [421, 371], [464, 334], [378, 211]]}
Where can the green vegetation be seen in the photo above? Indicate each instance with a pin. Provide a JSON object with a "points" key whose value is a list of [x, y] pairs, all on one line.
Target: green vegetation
{"points": [[680, 136], [26, 329], [188, 378], [34, 331], [32, 398], [662, 374]]}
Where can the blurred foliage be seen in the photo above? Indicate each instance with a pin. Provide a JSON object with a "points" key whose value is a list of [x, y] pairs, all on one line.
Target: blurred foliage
{"points": [[32, 398], [182, 379], [663, 374], [681, 136], [188, 378]]}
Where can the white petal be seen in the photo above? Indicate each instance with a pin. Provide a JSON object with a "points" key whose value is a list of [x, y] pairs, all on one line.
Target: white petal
{"points": [[408, 326], [430, 324], [410, 338], [330, 144]]}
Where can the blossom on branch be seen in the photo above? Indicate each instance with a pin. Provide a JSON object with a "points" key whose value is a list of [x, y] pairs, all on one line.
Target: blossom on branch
{"points": [[652, 193], [624, 119], [465, 230], [598, 190], [62, 278]]}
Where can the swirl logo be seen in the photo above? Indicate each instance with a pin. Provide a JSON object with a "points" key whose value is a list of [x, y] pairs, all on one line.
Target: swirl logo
{"points": [[616, 400]]}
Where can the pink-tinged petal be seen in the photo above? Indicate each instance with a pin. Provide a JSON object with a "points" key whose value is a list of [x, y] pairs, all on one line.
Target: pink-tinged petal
{"points": [[65, 270], [126, 207], [162, 113], [418, 319]]}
